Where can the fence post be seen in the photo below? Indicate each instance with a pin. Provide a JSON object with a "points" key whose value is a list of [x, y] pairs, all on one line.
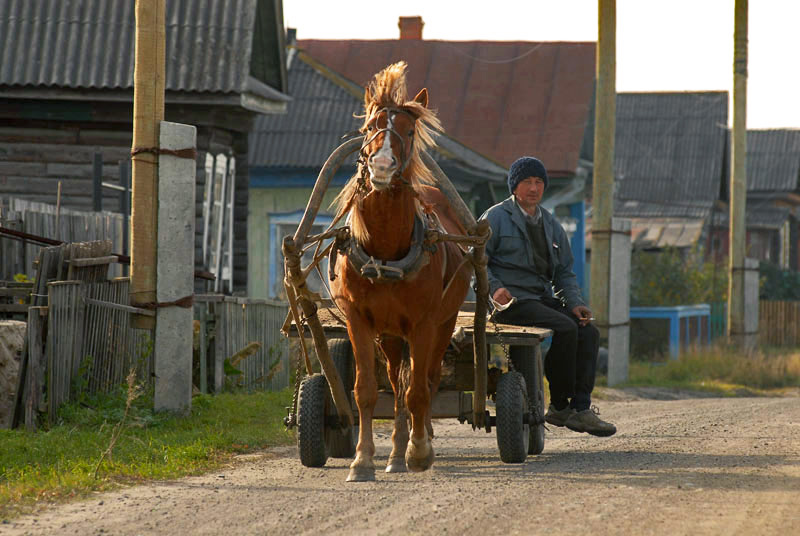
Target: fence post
{"points": [[97, 176], [219, 346]]}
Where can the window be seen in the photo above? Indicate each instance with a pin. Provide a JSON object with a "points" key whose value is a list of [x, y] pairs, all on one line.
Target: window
{"points": [[281, 225], [218, 199]]}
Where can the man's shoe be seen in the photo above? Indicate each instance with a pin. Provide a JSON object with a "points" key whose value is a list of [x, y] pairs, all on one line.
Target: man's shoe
{"points": [[558, 417], [589, 422]]}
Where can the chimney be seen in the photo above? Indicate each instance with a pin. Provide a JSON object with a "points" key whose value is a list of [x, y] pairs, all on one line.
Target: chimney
{"points": [[411, 28], [291, 37]]}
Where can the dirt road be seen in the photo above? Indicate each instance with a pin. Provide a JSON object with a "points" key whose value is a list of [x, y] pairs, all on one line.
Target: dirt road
{"points": [[690, 466]]}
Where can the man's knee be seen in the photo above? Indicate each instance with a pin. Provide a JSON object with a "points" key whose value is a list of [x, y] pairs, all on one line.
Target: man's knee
{"points": [[590, 333], [567, 330]]}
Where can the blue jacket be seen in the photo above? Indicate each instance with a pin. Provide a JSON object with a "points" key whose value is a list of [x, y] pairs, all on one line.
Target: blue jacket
{"points": [[510, 256]]}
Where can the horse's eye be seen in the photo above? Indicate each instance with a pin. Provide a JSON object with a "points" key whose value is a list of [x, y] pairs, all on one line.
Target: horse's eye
{"points": [[370, 128]]}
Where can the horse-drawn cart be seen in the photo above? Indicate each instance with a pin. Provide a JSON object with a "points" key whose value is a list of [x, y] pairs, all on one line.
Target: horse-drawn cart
{"points": [[518, 393], [399, 270]]}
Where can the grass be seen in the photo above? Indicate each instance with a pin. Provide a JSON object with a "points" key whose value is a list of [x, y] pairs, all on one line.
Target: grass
{"points": [[722, 371], [60, 463]]}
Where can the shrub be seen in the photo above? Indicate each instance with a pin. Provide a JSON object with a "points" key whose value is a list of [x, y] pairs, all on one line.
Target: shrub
{"points": [[675, 277]]}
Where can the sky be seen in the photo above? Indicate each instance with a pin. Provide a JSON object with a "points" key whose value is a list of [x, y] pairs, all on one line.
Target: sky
{"points": [[673, 45]]}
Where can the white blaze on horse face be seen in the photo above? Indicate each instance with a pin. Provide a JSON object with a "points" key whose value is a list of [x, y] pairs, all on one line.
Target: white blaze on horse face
{"points": [[383, 164]]}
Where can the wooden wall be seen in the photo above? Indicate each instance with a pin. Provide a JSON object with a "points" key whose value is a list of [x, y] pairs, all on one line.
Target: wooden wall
{"points": [[36, 154]]}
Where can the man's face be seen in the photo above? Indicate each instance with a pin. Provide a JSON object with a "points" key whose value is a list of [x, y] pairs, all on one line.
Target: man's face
{"points": [[529, 192]]}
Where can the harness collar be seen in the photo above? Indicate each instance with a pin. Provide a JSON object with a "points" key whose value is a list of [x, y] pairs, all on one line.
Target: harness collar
{"points": [[369, 267]]}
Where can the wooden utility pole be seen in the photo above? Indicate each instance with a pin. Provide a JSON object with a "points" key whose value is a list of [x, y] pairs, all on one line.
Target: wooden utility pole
{"points": [[738, 181], [603, 181], [148, 112]]}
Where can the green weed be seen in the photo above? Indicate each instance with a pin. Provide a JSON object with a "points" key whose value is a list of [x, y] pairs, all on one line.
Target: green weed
{"points": [[60, 463]]}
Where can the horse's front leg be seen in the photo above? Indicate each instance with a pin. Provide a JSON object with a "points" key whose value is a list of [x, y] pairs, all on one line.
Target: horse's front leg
{"points": [[393, 348], [419, 454], [366, 392]]}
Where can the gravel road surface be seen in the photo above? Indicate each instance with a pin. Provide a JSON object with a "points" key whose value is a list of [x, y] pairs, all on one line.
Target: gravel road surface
{"points": [[686, 466]]}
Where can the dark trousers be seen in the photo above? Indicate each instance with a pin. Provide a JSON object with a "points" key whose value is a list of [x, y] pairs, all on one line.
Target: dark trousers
{"points": [[570, 364]]}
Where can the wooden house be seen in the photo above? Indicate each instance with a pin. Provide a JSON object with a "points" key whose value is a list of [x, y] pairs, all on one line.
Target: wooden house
{"points": [[66, 91], [670, 161]]}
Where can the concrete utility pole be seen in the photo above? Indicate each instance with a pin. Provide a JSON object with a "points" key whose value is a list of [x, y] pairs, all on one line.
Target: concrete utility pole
{"points": [[738, 183], [610, 269], [148, 112]]}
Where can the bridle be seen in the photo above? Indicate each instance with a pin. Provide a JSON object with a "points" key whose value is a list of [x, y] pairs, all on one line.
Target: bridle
{"points": [[391, 112]]}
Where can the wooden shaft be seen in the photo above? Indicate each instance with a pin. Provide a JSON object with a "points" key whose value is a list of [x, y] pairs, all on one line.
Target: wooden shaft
{"points": [[321, 186], [462, 210], [148, 112], [479, 262], [295, 274]]}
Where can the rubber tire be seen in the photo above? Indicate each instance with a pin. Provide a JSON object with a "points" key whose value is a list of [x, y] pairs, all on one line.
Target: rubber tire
{"points": [[341, 443], [512, 434], [526, 363], [311, 421]]}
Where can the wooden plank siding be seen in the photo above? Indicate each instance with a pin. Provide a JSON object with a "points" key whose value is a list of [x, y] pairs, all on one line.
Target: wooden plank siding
{"points": [[35, 156], [779, 323]]}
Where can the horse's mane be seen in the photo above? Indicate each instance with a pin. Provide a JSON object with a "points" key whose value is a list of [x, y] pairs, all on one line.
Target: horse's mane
{"points": [[388, 89]]}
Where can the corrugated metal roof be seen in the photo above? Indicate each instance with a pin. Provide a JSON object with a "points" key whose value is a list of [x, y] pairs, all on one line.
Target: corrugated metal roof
{"points": [[684, 209], [90, 44], [773, 160], [501, 99], [669, 152], [670, 147], [321, 111]]}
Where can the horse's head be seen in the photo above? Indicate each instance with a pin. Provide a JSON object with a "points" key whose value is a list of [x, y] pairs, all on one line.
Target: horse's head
{"points": [[389, 134]]}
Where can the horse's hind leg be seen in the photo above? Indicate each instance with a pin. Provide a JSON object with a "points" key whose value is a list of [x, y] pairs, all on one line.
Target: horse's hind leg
{"points": [[443, 336], [366, 394], [393, 348]]}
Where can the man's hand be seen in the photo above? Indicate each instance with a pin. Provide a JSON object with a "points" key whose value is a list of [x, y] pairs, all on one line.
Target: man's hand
{"points": [[583, 313], [502, 296]]}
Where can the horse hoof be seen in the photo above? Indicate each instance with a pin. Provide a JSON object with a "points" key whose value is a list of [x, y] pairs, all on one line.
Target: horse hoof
{"points": [[418, 465], [396, 465], [361, 474]]}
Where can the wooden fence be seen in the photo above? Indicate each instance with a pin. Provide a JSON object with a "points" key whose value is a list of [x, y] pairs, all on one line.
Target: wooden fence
{"points": [[41, 219], [779, 323], [88, 347], [229, 326]]}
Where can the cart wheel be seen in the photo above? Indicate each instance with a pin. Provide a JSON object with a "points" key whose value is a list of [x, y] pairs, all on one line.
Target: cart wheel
{"points": [[527, 361], [310, 421], [512, 433], [341, 442]]}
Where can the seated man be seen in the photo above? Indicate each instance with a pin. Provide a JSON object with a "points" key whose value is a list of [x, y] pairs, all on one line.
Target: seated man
{"points": [[528, 255]]}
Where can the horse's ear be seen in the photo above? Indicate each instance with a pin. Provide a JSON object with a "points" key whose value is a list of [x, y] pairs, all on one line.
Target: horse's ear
{"points": [[422, 97]]}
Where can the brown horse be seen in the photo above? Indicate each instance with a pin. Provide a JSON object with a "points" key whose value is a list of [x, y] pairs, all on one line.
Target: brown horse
{"points": [[384, 201]]}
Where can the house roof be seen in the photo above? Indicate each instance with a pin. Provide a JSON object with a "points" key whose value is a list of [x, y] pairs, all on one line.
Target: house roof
{"points": [[212, 47], [322, 110], [669, 152], [501, 99], [773, 160]]}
